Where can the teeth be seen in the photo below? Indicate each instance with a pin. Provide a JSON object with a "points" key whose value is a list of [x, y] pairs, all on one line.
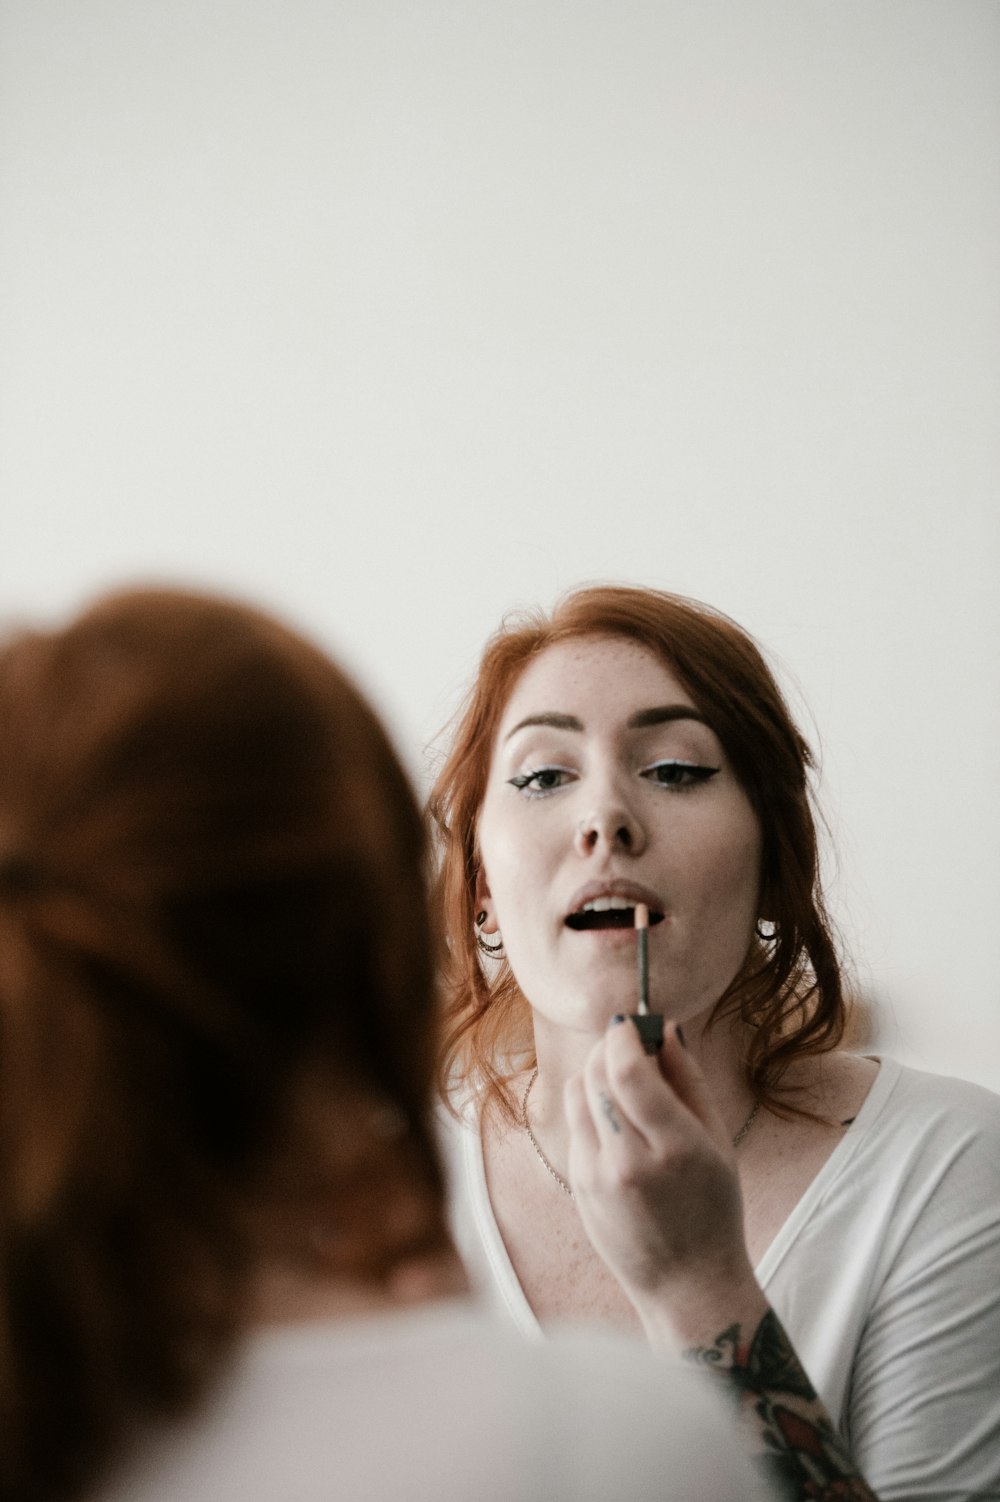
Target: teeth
{"points": [[605, 904]]}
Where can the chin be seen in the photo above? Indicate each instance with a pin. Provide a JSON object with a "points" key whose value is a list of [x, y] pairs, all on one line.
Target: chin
{"points": [[594, 1013]]}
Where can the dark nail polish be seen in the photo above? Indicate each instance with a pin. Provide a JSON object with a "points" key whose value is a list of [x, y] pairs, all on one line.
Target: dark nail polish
{"points": [[618, 1017], [680, 1036]]}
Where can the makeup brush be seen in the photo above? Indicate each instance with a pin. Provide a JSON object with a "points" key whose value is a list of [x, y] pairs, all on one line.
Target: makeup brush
{"points": [[649, 1024]]}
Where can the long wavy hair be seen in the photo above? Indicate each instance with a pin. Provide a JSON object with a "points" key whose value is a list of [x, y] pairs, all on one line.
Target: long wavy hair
{"points": [[217, 1002], [789, 988]]}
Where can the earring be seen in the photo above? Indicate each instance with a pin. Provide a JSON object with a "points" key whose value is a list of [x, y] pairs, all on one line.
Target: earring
{"points": [[493, 950], [768, 934]]}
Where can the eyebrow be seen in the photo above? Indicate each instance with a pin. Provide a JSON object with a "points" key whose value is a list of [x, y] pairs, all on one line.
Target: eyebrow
{"points": [[555, 721], [641, 720], [664, 714]]}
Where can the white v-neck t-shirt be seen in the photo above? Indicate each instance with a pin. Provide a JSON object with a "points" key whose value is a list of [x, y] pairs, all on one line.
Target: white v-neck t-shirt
{"points": [[886, 1276]]}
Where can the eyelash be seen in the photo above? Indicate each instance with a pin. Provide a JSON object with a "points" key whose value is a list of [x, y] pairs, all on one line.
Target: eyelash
{"points": [[692, 772], [522, 782]]}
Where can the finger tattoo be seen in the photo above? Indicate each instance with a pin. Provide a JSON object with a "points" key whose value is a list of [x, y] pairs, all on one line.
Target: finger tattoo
{"points": [[608, 1108]]}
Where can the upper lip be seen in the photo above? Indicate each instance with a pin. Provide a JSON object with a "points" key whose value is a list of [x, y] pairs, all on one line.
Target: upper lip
{"points": [[632, 891]]}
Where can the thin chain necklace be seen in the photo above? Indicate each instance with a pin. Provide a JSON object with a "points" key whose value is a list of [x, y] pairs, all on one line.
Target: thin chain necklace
{"points": [[558, 1176]]}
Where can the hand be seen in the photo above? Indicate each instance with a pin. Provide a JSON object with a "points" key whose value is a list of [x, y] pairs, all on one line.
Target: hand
{"points": [[654, 1176]]}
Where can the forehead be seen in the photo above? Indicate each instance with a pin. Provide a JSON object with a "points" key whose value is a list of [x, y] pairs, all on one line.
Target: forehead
{"points": [[593, 677]]}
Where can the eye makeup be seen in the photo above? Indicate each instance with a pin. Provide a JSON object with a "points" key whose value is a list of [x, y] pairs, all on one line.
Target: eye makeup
{"points": [[675, 773], [543, 780]]}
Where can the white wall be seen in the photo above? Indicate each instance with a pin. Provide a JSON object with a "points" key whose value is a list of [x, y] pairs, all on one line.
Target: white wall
{"points": [[400, 314]]}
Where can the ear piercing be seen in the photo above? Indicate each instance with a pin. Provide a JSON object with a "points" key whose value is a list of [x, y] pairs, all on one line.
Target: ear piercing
{"points": [[493, 950]]}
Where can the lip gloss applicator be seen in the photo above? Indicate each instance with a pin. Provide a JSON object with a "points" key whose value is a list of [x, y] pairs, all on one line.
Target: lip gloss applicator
{"points": [[648, 1024]]}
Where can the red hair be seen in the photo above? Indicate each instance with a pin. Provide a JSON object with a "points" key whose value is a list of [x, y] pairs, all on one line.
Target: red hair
{"points": [[789, 988], [216, 1002]]}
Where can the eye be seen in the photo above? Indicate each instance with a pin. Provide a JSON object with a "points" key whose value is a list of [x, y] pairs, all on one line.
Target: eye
{"points": [[542, 781], [677, 775]]}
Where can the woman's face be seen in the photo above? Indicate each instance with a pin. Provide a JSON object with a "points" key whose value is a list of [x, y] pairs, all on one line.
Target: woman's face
{"points": [[607, 788]]}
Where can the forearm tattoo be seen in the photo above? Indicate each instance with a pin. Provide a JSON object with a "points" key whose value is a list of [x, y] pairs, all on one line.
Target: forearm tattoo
{"points": [[804, 1456]]}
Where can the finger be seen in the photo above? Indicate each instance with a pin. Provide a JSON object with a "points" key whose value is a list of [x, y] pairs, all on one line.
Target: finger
{"points": [[611, 1115], [638, 1085], [608, 1107]]}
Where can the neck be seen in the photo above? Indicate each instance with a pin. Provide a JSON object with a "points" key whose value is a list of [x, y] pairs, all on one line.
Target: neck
{"points": [[561, 1054]]}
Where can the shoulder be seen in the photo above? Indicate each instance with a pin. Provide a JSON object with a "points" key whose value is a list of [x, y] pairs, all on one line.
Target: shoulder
{"points": [[462, 1126], [589, 1407], [453, 1121], [468, 1205], [457, 1138], [884, 1095], [935, 1105], [928, 1148], [609, 1408], [471, 1410], [458, 1134], [492, 1415]]}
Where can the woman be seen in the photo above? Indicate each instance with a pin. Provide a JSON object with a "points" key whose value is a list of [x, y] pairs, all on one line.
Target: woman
{"points": [[820, 1229], [224, 1268]]}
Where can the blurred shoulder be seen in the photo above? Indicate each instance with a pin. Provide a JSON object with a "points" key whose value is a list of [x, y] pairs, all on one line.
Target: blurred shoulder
{"points": [[620, 1414]]}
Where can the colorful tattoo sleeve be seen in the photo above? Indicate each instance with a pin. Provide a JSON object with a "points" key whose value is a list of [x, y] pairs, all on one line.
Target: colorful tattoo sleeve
{"points": [[804, 1456]]}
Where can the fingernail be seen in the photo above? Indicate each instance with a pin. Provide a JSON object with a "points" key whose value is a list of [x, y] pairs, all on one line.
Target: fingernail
{"points": [[680, 1035], [618, 1017]]}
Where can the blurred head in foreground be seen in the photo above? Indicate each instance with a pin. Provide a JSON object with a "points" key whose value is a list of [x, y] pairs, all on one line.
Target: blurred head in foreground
{"points": [[216, 1012]]}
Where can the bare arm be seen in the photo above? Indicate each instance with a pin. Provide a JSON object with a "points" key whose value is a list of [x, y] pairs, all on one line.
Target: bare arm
{"points": [[655, 1180]]}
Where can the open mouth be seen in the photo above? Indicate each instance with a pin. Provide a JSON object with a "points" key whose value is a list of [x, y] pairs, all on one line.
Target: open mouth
{"points": [[596, 915]]}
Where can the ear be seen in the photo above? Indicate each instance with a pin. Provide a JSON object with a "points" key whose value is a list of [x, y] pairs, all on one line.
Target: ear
{"points": [[484, 902]]}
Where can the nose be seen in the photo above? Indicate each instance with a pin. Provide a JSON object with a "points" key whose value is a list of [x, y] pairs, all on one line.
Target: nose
{"points": [[611, 827]]}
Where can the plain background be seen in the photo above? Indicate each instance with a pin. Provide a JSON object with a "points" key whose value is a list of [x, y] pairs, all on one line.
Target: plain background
{"points": [[397, 316]]}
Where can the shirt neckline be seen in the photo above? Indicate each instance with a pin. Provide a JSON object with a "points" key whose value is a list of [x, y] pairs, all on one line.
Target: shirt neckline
{"points": [[870, 1109], [502, 1269]]}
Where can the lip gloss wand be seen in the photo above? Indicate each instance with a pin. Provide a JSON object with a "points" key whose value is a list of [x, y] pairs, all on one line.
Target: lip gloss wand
{"points": [[648, 1024]]}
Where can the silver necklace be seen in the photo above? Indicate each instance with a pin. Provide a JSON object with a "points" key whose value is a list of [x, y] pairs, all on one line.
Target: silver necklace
{"points": [[558, 1176]]}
